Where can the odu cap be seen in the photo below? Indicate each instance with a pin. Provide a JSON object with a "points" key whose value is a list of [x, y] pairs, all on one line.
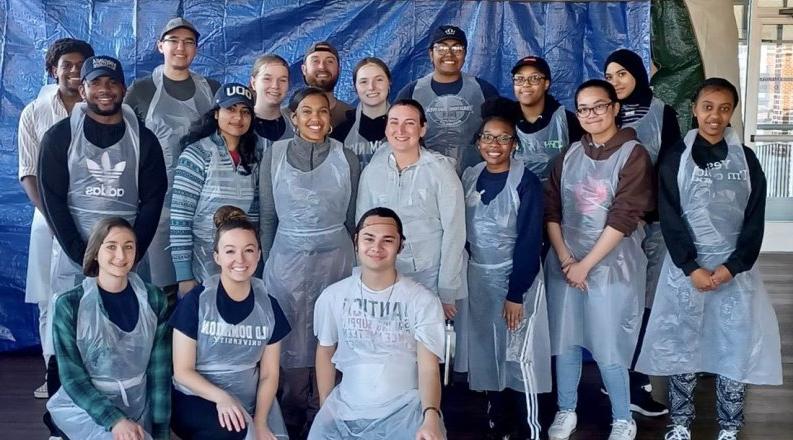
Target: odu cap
{"points": [[233, 93], [536, 62], [447, 32], [176, 23], [101, 65]]}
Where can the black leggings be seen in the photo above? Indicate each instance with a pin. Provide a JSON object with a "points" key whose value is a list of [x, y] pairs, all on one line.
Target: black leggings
{"points": [[195, 418]]}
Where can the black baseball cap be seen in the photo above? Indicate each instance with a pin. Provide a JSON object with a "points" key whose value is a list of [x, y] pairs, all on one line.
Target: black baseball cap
{"points": [[101, 65], [448, 32], [233, 93], [321, 46], [176, 23], [537, 62]]}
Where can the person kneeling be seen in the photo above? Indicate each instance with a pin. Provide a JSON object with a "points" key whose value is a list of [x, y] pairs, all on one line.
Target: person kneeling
{"points": [[385, 333]]}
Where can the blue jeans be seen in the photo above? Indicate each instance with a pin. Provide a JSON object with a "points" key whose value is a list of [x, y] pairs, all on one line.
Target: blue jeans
{"points": [[615, 379]]}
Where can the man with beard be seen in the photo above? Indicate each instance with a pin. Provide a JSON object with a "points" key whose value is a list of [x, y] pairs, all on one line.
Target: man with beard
{"points": [[168, 101], [99, 162], [451, 99], [321, 69]]}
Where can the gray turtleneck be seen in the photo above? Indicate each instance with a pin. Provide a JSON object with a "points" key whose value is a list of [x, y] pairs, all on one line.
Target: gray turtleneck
{"points": [[305, 156]]}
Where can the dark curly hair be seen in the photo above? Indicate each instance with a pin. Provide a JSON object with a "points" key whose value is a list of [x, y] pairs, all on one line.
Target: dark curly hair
{"points": [[63, 46]]}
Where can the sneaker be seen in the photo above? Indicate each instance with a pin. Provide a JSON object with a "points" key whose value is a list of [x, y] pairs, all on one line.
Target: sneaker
{"points": [[727, 435], [623, 430], [52, 437], [643, 403], [563, 425], [678, 432], [41, 392]]}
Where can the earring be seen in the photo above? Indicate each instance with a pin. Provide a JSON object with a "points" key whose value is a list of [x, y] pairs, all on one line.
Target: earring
{"points": [[330, 131]]}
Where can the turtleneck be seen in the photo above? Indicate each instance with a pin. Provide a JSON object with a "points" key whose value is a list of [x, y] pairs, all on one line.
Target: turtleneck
{"points": [[306, 155]]}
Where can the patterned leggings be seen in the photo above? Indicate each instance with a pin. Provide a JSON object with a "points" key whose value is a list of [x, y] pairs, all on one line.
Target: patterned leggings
{"points": [[730, 396]]}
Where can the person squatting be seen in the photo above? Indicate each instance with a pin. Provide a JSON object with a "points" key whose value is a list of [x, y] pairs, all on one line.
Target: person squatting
{"points": [[228, 263]]}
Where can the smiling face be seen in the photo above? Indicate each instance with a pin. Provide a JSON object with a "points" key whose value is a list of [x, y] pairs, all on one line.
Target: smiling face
{"points": [[178, 48], [116, 255], [103, 95], [594, 100], [622, 80], [372, 84], [321, 69], [530, 94], [235, 120], [67, 72], [378, 244], [237, 255], [494, 146], [312, 118], [713, 110], [448, 57], [271, 84], [404, 129]]}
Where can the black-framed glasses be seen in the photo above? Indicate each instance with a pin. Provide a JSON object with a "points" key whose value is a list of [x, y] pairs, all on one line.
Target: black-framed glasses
{"points": [[189, 42], [442, 49], [530, 80], [488, 138], [599, 109]]}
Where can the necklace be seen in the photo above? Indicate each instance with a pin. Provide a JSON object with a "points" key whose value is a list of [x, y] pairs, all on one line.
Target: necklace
{"points": [[363, 301]]}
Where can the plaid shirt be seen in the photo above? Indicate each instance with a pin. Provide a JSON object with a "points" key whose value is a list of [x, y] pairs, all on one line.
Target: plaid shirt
{"points": [[77, 383]]}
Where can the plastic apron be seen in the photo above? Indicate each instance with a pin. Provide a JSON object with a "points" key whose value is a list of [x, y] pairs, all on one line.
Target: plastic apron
{"points": [[228, 355], [289, 131], [538, 150], [606, 318], [169, 119], [47, 111], [115, 360], [648, 131], [378, 396], [224, 184], [453, 119], [312, 248], [733, 330], [358, 144], [103, 182]]}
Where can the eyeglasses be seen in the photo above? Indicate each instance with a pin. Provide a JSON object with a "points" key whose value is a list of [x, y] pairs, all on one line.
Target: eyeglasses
{"points": [[599, 109], [176, 42], [488, 138], [442, 49], [531, 80]]}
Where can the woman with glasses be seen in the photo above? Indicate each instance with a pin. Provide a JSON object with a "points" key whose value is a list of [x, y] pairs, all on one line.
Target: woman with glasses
{"points": [[657, 129], [596, 194], [508, 335], [544, 126]]}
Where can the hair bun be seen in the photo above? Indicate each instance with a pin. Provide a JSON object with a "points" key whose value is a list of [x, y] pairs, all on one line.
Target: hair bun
{"points": [[228, 213], [500, 107]]}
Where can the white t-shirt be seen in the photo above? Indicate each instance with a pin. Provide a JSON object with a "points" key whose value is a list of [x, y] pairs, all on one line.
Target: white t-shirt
{"points": [[376, 334]]}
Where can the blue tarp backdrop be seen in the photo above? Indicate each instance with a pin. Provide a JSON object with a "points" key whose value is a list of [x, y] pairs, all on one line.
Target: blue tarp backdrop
{"points": [[575, 38]]}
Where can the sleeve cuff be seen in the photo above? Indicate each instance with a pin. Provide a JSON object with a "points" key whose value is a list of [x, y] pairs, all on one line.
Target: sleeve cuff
{"points": [[26, 171], [734, 267], [515, 296], [689, 266], [447, 296], [184, 270]]}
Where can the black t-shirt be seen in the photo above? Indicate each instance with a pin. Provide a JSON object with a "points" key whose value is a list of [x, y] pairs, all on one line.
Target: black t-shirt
{"points": [[141, 92], [371, 129], [186, 316], [271, 129], [122, 307]]}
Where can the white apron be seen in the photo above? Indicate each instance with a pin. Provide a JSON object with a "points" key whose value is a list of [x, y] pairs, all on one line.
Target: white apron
{"points": [[358, 144], [169, 119], [538, 150], [733, 330], [606, 318], [115, 360]]}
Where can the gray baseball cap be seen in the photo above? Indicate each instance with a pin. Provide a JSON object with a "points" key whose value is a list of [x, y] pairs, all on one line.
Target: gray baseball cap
{"points": [[176, 23]]}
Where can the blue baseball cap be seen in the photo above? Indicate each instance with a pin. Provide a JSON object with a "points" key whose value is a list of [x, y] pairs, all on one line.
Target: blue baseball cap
{"points": [[233, 93], [101, 65]]}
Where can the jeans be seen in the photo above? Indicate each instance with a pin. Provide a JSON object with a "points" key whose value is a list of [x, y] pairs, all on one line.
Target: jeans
{"points": [[615, 379], [730, 397]]}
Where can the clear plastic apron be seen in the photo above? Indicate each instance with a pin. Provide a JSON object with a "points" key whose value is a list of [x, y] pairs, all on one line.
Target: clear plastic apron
{"points": [[452, 119], [228, 355], [224, 184], [115, 360], [312, 249], [169, 119], [358, 144], [289, 131], [538, 150], [606, 318], [733, 330]]}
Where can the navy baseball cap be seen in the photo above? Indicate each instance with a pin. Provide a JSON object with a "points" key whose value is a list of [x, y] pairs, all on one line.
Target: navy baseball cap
{"points": [[447, 32], [101, 65], [233, 93], [537, 62]]}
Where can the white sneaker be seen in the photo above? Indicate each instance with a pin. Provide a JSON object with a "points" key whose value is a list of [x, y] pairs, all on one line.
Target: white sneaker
{"points": [[41, 392], [727, 435], [563, 425], [678, 432], [623, 430]]}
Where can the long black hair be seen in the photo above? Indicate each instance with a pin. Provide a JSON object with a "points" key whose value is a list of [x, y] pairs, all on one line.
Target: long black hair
{"points": [[208, 124]]}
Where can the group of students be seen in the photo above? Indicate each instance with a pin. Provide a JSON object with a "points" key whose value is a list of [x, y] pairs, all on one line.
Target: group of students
{"points": [[311, 238]]}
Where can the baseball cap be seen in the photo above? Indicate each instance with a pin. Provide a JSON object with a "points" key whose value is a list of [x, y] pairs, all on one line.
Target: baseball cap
{"points": [[322, 46], [101, 65], [176, 23], [536, 62], [447, 32], [233, 93]]}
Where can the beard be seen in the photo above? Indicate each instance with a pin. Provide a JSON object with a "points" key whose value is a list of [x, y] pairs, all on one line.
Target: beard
{"points": [[326, 85], [95, 109]]}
